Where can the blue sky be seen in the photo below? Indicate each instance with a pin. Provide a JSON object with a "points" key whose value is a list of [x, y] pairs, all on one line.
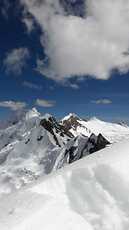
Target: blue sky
{"points": [[84, 97]]}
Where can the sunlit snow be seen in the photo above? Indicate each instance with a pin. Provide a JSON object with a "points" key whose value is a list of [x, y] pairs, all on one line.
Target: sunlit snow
{"points": [[91, 194]]}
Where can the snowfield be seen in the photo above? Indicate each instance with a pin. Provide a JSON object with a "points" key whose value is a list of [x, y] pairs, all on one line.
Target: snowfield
{"points": [[90, 194], [111, 131]]}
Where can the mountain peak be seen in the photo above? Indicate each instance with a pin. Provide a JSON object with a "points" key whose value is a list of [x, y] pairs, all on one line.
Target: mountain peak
{"points": [[32, 113], [69, 116]]}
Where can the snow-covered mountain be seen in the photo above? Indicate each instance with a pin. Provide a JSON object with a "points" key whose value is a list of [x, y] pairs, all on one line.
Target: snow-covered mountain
{"points": [[37, 145], [76, 125], [111, 131], [91, 194]]}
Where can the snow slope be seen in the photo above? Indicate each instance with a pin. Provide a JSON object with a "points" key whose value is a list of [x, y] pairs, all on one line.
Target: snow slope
{"points": [[111, 131], [91, 194], [28, 150], [38, 145]]}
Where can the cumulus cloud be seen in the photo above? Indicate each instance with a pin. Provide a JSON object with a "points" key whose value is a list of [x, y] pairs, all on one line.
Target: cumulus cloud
{"points": [[13, 105], [32, 85], [45, 103], [15, 60], [102, 101], [94, 44]]}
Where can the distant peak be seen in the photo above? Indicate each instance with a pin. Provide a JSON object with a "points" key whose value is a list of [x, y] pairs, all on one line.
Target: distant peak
{"points": [[32, 113], [70, 115]]}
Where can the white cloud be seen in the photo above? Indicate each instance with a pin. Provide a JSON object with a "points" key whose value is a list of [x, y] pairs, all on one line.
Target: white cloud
{"points": [[15, 60], [32, 85], [13, 105], [93, 45], [49, 73], [45, 103], [73, 86], [102, 101], [29, 22]]}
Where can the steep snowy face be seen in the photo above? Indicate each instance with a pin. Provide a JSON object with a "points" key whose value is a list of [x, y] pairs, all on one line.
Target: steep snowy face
{"points": [[29, 149], [31, 120], [17, 131], [38, 145], [111, 131], [32, 113]]}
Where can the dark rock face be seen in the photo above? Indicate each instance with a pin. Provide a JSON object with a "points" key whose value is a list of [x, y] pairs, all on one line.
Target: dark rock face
{"points": [[72, 122], [52, 126], [71, 154], [92, 144], [98, 144], [101, 142], [51, 123], [48, 125]]}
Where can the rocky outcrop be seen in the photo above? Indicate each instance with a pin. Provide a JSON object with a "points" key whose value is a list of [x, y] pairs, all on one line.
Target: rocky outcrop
{"points": [[52, 126], [81, 146]]}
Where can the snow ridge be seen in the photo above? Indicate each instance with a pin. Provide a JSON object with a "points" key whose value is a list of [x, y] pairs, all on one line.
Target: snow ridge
{"points": [[90, 194], [38, 145]]}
